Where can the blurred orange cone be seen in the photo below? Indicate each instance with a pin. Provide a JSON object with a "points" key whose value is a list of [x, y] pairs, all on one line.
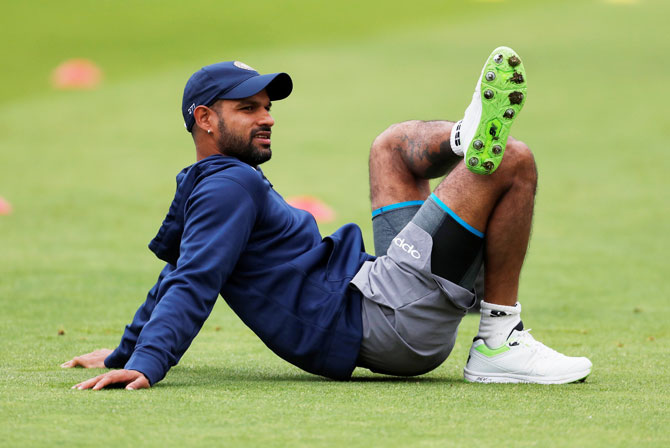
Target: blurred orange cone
{"points": [[5, 207], [76, 74], [318, 209]]}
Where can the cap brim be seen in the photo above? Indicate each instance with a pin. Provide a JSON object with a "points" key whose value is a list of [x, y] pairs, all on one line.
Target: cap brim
{"points": [[277, 85]]}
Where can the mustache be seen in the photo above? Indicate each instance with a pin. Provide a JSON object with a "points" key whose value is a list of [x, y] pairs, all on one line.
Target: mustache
{"points": [[260, 129]]}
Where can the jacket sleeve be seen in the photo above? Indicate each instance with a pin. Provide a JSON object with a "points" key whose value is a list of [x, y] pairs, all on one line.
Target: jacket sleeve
{"points": [[120, 356], [219, 217]]}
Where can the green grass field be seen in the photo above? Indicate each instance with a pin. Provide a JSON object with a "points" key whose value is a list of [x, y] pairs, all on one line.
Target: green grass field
{"points": [[90, 175]]}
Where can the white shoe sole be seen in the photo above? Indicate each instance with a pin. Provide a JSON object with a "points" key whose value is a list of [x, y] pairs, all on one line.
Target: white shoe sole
{"points": [[475, 377]]}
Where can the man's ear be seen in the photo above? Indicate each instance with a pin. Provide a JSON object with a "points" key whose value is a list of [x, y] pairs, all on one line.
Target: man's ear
{"points": [[205, 118]]}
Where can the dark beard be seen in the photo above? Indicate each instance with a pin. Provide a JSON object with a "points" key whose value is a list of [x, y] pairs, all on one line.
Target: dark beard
{"points": [[244, 150]]}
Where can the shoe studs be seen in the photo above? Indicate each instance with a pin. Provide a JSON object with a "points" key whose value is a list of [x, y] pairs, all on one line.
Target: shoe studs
{"points": [[517, 78], [514, 97], [503, 76], [493, 131]]}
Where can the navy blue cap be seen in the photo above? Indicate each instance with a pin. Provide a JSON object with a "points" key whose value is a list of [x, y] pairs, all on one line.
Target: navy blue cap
{"points": [[229, 80]]}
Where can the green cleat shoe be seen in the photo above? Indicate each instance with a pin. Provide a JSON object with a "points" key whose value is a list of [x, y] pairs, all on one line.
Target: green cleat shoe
{"points": [[480, 137]]}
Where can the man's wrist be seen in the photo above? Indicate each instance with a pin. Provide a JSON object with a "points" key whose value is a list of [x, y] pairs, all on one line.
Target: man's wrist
{"points": [[115, 359], [148, 365]]}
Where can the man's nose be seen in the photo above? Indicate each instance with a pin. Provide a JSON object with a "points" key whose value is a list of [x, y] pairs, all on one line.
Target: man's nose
{"points": [[266, 119]]}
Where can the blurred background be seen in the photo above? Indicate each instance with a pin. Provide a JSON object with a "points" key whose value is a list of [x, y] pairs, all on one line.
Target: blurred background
{"points": [[91, 138], [88, 157]]}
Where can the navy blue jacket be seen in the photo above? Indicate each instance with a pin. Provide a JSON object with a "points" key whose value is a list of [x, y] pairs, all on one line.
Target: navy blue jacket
{"points": [[228, 232]]}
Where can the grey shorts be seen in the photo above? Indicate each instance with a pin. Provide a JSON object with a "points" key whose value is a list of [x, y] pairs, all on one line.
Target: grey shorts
{"points": [[410, 316]]}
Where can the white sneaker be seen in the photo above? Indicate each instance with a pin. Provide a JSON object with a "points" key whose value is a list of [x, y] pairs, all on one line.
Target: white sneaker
{"points": [[480, 137], [523, 360]]}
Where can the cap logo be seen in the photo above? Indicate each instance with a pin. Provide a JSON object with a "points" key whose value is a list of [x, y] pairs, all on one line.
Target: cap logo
{"points": [[242, 65], [191, 109]]}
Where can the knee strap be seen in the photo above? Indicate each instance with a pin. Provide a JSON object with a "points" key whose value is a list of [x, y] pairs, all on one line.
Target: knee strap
{"points": [[458, 248], [388, 221]]}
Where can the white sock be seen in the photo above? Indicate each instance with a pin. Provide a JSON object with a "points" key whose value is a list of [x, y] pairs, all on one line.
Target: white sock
{"points": [[455, 140], [497, 322]]}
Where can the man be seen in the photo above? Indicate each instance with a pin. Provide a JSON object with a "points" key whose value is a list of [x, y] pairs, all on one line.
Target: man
{"points": [[324, 304]]}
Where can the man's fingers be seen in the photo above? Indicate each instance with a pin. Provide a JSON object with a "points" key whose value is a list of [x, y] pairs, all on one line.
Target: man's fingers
{"points": [[88, 383], [107, 379], [140, 383], [74, 362], [68, 364], [133, 379], [95, 359]]}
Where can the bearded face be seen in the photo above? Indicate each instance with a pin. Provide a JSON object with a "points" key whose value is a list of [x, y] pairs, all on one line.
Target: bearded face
{"points": [[250, 148]]}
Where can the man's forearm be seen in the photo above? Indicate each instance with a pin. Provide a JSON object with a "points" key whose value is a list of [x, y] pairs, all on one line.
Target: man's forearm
{"points": [[124, 351]]}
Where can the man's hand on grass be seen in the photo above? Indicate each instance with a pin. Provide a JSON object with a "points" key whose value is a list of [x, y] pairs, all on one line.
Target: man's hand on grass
{"points": [[93, 360], [131, 379]]}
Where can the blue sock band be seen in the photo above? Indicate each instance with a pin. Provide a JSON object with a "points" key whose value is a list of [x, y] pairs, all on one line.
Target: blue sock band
{"points": [[387, 208], [457, 218]]}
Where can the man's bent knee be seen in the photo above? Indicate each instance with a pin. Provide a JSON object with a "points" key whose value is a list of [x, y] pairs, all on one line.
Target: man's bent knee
{"points": [[520, 163], [392, 179], [392, 138], [422, 146]]}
